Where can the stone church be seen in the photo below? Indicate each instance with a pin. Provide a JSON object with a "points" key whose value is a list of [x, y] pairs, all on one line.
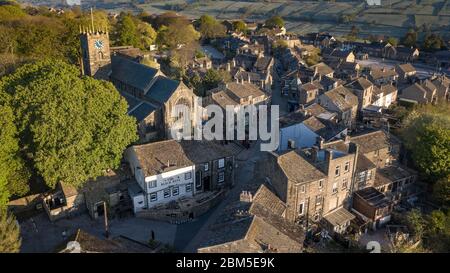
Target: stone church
{"points": [[151, 96]]}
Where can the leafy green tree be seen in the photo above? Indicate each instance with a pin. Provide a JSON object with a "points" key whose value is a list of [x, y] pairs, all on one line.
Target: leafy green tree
{"points": [[427, 136], [433, 42], [177, 34], [273, 22], [210, 27], [212, 79], [240, 26], [8, 147], [147, 35], [393, 41], [9, 233], [441, 191], [410, 38], [127, 31], [416, 223], [72, 128]]}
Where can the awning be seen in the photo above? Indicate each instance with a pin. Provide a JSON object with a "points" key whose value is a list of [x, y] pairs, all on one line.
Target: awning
{"points": [[339, 217]]}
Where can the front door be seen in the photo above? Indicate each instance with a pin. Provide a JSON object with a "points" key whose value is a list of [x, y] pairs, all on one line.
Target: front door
{"points": [[207, 183]]}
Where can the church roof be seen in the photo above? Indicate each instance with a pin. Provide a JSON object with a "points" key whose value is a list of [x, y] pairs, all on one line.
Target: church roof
{"points": [[162, 89], [141, 111], [132, 73]]}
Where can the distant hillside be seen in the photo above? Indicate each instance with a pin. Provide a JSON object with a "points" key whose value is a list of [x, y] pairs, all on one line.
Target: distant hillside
{"points": [[392, 18]]}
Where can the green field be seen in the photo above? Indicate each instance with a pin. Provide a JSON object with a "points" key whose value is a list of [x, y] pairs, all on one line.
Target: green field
{"points": [[393, 18]]}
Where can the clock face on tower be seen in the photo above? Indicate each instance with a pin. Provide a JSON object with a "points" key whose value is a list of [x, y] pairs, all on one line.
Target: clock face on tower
{"points": [[98, 44]]}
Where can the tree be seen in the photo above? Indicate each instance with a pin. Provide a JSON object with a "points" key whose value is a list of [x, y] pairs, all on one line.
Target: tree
{"points": [[177, 34], [9, 233], [72, 128], [427, 135], [410, 39], [8, 147], [210, 27], [416, 223], [147, 35], [274, 22], [393, 41], [127, 31], [433, 42], [441, 191], [212, 79], [240, 26]]}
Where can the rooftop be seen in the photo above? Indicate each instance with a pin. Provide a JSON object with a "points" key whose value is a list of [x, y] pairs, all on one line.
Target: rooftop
{"points": [[373, 197], [132, 73], [373, 141], [163, 156], [339, 217], [298, 169], [342, 98]]}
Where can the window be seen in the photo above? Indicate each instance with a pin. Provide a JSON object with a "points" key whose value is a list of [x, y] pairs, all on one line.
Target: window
{"points": [[152, 184], [206, 167], [188, 187], [153, 197], [221, 163], [302, 188], [175, 191], [318, 200], [335, 187], [301, 209], [221, 177], [337, 171], [344, 183], [369, 175], [320, 184], [167, 193], [187, 176], [347, 167]]}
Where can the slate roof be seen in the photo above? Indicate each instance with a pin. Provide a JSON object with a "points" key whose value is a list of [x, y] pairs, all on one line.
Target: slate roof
{"points": [[360, 84], [414, 92], [342, 98], [132, 101], [222, 99], [322, 69], [262, 63], [406, 68], [298, 169], [244, 90], [323, 128], [364, 164], [132, 73], [268, 200], [162, 89], [315, 109], [374, 141], [377, 73], [141, 111], [155, 157]]}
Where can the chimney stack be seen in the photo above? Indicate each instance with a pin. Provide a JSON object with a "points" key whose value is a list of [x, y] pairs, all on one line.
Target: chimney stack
{"points": [[314, 153], [319, 142], [328, 155]]}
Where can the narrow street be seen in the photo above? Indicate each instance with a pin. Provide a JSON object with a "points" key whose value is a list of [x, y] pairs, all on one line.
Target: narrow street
{"points": [[244, 173]]}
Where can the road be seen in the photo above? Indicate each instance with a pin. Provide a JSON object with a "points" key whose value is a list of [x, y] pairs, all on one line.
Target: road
{"points": [[244, 174]]}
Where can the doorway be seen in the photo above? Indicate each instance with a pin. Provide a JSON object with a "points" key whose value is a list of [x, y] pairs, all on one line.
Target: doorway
{"points": [[207, 183]]}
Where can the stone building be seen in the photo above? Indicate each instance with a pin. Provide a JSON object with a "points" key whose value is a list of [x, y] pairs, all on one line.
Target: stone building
{"points": [[313, 183], [343, 102], [151, 96], [169, 170]]}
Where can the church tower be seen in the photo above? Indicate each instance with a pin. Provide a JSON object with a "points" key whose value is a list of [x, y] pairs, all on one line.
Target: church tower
{"points": [[95, 52]]}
